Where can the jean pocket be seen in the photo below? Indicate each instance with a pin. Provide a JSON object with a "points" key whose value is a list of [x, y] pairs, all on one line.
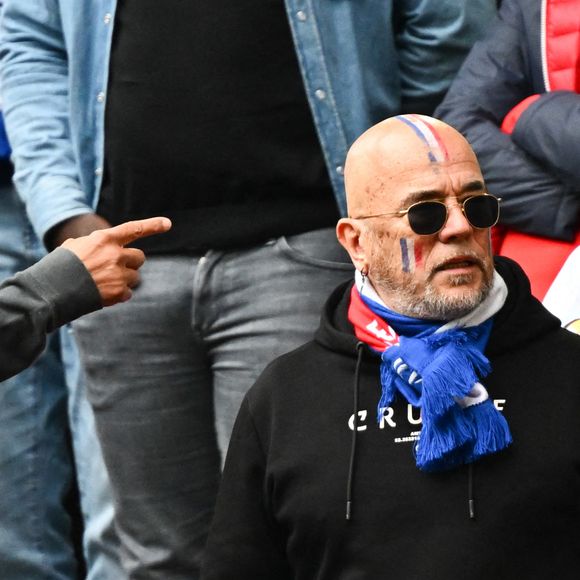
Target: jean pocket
{"points": [[318, 248]]}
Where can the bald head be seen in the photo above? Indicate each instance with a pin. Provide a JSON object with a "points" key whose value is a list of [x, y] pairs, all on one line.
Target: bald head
{"points": [[395, 165], [393, 149]]}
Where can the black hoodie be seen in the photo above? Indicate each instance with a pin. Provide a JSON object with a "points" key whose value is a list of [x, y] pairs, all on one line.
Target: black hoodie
{"points": [[281, 507]]}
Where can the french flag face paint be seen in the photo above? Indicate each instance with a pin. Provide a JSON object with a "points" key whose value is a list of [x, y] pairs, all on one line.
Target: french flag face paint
{"points": [[436, 150], [411, 255]]}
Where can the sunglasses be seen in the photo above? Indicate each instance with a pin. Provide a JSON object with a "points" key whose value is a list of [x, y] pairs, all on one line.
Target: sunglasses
{"points": [[430, 216]]}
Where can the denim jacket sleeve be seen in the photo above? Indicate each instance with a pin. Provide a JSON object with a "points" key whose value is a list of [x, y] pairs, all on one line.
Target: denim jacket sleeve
{"points": [[36, 105], [356, 71], [432, 40], [364, 60]]}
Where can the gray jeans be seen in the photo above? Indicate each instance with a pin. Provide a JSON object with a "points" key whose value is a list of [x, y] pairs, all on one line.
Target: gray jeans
{"points": [[167, 372]]}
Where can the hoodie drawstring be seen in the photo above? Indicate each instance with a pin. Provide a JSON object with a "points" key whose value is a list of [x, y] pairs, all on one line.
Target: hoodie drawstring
{"points": [[470, 498], [351, 465]]}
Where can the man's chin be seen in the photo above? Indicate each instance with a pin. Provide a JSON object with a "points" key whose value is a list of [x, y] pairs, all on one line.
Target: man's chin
{"points": [[449, 279], [457, 297], [445, 296]]}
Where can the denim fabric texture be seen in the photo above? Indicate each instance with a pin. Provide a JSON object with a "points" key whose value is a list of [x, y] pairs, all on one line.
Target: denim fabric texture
{"points": [[359, 59], [37, 465], [167, 372]]}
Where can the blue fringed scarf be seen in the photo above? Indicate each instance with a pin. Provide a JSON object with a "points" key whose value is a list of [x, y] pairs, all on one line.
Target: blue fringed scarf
{"points": [[437, 367]]}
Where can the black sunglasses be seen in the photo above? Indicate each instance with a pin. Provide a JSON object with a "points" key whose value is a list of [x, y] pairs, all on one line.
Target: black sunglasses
{"points": [[430, 216]]}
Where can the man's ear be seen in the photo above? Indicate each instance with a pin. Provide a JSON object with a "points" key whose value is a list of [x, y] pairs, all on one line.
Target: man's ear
{"points": [[349, 232]]}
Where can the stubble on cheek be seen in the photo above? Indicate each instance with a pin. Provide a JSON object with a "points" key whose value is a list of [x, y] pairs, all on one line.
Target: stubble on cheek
{"points": [[380, 263], [392, 264]]}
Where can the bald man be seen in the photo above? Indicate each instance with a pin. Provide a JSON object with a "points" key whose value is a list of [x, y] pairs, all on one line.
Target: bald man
{"points": [[430, 430]]}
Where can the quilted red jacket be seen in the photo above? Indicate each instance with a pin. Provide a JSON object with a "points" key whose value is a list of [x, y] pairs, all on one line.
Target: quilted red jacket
{"points": [[516, 100]]}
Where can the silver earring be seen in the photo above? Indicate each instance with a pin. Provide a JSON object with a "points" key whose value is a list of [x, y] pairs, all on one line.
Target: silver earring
{"points": [[363, 274]]}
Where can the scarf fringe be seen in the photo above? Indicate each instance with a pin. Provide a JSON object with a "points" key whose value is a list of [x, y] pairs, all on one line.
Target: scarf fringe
{"points": [[388, 390], [452, 373], [444, 441], [491, 431], [450, 364]]}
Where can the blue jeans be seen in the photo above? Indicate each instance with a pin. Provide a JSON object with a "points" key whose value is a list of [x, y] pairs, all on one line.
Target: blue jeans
{"points": [[37, 464], [167, 371]]}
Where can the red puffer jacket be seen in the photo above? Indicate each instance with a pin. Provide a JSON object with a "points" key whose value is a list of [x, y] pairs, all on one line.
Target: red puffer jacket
{"points": [[517, 100], [542, 257]]}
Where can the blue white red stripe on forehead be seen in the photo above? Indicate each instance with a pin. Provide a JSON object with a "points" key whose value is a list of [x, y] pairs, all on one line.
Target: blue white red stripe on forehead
{"points": [[436, 149]]}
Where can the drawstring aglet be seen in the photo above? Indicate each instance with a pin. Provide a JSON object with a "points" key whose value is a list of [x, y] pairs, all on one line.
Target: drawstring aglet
{"points": [[471, 509], [470, 496]]}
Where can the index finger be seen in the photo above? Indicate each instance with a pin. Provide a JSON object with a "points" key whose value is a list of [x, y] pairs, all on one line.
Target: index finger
{"points": [[131, 231]]}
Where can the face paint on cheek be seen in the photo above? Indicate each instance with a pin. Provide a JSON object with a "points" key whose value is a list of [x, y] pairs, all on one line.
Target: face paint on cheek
{"points": [[407, 255], [418, 255]]}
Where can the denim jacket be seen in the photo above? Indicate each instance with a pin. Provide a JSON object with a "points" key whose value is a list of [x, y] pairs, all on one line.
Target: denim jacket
{"points": [[359, 59]]}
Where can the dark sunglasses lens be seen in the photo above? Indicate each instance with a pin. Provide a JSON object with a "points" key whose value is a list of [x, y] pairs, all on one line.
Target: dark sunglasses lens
{"points": [[427, 217], [482, 211]]}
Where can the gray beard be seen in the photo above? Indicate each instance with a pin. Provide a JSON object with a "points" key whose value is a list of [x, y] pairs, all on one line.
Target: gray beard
{"points": [[432, 305]]}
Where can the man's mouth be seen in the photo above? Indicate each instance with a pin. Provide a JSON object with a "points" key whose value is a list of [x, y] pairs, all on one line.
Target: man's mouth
{"points": [[459, 263]]}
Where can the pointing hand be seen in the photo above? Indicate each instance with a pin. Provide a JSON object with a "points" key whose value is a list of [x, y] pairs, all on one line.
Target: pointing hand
{"points": [[113, 267]]}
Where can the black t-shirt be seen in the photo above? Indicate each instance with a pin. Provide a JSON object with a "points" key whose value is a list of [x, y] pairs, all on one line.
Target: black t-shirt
{"points": [[207, 122]]}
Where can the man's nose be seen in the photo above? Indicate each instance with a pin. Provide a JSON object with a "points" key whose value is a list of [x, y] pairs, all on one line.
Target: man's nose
{"points": [[456, 224]]}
